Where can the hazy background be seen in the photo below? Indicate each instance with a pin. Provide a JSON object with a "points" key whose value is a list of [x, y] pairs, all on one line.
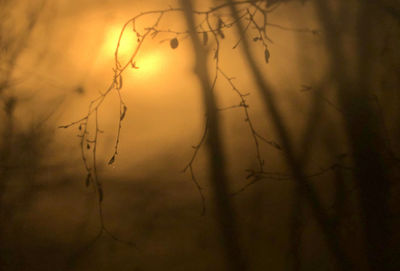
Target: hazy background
{"points": [[51, 218]]}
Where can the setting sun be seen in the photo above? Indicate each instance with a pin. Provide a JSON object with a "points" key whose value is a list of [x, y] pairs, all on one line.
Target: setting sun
{"points": [[229, 135], [127, 45], [148, 62]]}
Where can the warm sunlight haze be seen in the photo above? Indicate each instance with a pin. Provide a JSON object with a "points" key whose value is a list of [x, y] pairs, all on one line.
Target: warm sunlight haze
{"points": [[229, 135], [148, 63]]}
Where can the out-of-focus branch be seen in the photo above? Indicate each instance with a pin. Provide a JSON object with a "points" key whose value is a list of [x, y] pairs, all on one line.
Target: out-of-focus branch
{"points": [[294, 165], [362, 127], [219, 181]]}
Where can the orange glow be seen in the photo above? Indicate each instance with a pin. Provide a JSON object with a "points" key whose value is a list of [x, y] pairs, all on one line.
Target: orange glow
{"points": [[148, 62], [127, 45]]}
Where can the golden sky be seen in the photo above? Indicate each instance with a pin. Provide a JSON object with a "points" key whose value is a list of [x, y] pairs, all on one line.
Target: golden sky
{"points": [[162, 96]]}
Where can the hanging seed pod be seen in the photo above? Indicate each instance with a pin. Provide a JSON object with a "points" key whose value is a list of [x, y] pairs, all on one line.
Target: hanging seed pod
{"points": [[219, 28], [133, 65], [267, 55], [123, 113], [221, 34], [174, 43], [220, 23], [120, 82], [111, 160], [88, 177]]}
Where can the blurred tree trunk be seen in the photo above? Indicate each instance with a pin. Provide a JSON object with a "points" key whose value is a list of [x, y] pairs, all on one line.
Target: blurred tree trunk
{"points": [[15, 34], [219, 181], [355, 88], [295, 165]]}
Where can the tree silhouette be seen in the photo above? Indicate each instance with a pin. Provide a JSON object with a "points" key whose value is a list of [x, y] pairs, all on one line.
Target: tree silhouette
{"points": [[360, 41], [23, 142]]}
